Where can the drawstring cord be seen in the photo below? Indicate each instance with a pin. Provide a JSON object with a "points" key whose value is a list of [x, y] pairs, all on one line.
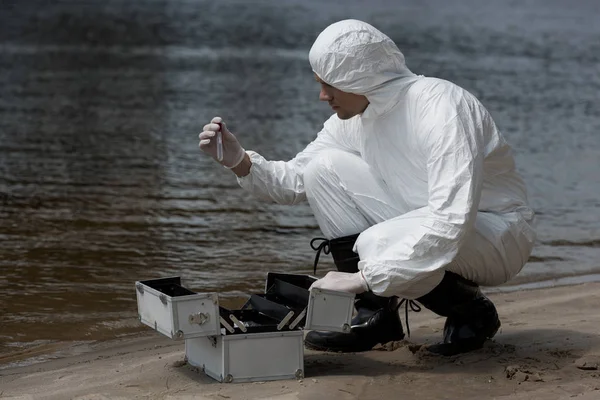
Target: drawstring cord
{"points": [[414, 306], [323, 246]]}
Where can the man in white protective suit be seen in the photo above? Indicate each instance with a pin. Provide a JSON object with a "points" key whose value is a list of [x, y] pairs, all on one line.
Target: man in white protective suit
{"points": [[413, 186]]}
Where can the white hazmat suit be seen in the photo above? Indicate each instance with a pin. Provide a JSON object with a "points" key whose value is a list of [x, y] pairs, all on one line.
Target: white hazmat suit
{"points": [[423, 173]]}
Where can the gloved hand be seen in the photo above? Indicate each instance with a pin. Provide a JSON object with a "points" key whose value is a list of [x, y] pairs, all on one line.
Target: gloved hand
{"points": [[233, 153], [342, 282]]}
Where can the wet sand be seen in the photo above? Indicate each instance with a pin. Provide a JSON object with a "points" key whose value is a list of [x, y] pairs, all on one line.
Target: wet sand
{"points": [[548, 348]]}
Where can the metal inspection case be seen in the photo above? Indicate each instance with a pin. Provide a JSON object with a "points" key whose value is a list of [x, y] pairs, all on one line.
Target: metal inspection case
{"points": [[245, 358], [229, 345]]}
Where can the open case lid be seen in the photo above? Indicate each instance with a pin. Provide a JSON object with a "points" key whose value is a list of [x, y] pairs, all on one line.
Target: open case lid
{"points": [[319, 309], [286, 304]]}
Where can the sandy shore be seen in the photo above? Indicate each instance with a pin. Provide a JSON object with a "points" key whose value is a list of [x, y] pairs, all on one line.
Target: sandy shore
{"points": [[548, 348]]}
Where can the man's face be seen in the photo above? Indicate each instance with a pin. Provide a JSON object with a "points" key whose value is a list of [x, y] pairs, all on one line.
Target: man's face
{"points": [[346, 105]]}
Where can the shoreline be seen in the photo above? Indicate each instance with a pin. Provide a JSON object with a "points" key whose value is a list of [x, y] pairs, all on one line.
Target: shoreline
{"points": [[51, 350], [548, 348]]}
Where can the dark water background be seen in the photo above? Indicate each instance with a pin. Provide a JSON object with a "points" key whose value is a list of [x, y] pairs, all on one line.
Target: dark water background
{"points": [[102, 183]]}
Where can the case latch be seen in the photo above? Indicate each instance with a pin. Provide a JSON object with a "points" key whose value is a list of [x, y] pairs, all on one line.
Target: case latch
{"points": [[199, 318]]}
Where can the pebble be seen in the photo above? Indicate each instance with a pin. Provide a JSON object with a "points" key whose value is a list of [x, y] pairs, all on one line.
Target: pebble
{"points": [[588, 363]]}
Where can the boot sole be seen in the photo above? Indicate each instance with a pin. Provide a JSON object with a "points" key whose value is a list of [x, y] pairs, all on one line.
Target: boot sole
{"points": [[347, 349], [452, 349], [330, 349]]}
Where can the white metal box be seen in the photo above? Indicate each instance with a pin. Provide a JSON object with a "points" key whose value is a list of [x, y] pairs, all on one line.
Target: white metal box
{"points": [[176, 312], [329, 310], [252, 357], [317, 309], [179, 313], [230, 345]]}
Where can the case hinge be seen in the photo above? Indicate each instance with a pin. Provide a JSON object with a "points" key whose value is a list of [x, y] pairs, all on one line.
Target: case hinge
{"points": [[163, 299]]}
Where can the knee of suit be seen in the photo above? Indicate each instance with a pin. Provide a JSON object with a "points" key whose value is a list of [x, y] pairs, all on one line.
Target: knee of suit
{"points": [[324, 170]]}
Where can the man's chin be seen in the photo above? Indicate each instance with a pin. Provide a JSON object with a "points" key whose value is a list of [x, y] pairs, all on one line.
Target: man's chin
{"points": [[344, 114]]}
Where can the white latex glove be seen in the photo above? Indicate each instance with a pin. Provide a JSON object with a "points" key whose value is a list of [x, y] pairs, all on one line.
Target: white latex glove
{"points": [[233, 153], [342, 282]]}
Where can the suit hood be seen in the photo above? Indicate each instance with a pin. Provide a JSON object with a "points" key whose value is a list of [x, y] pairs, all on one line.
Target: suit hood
{"points": [[355, 57]]}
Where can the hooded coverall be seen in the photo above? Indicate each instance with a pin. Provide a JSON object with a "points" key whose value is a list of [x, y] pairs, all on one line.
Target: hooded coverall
{"points": [[423, 174]]}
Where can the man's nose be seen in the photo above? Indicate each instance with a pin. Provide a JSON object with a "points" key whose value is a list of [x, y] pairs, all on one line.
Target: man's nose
{"points": [[324, 96]]}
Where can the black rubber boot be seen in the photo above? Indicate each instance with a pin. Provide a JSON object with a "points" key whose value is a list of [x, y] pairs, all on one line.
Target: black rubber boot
{"points": [[471, 317], [369, 328], [376, 321]]}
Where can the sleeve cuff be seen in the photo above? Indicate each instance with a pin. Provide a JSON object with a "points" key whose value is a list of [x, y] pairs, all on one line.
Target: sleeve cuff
{"points": [[256, 159]]}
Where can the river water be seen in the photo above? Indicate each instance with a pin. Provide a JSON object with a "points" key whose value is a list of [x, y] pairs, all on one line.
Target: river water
{"points": [[102, 182]]}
